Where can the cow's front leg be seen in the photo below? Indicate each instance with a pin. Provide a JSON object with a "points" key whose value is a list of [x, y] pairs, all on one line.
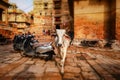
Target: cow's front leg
{"points": [[64, 54], [61, 52], [62, 66], [63, 59]]}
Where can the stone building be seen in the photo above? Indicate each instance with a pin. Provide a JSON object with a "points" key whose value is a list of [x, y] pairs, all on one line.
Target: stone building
{"points": [[50, 14], [61, 13], [3, 8], [14, 21], [42, 14], [4, 31], [18, 19]]}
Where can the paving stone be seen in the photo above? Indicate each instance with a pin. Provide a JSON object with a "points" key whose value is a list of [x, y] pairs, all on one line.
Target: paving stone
{"points": [[6, 78], [8, 62], [83, 63], [20, 76], [2, 65], [36, 69], [16, 70], [77, 55], [72, 76], [24, 76], [72, 69], [86, 69], [71, 64], [30, 62], [52, 76], [50, 65], [54, 69], [71, 55], [109, 77], [90, 76], [40, 62], [69, 60]]}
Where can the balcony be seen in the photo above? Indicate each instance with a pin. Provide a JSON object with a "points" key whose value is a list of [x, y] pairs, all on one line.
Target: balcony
{"points": [[57, 7], [45, 7], [57, 20], [57, 12], [2, 23]]}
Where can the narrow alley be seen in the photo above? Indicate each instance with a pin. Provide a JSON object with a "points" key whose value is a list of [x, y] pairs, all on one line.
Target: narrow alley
{"points": [[83, 34]]}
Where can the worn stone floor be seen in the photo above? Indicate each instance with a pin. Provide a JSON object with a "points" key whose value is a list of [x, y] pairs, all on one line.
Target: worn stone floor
{"points": [[81, 64], [92, 64]]}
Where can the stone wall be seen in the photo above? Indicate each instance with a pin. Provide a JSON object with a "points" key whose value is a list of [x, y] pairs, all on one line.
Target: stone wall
{"points": [[118, 19], [88, 20], [96, 19]]}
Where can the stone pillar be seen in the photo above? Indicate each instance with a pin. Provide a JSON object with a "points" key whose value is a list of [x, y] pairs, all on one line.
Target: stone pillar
{"points": [[110, 19], [71, 10], [118, 20], [6, 16]]}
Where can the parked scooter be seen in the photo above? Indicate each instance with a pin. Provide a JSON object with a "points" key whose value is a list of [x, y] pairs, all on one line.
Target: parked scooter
{"points": [[28, 47], [18, 42]]}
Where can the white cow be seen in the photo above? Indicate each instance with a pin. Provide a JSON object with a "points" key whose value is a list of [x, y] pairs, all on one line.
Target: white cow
{"points": [[63, 42]]}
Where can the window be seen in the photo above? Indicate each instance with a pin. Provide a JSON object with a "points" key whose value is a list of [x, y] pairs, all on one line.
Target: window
{"points": [[45, 5], [40, 13]]}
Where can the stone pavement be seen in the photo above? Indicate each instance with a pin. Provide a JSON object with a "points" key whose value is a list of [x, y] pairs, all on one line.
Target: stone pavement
{"points": [[15, 67], [81, 64], [91, 64]]}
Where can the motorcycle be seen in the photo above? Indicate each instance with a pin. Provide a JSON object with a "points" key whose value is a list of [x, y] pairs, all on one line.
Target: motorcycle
{"points": [[28, 47], [18, 42]]}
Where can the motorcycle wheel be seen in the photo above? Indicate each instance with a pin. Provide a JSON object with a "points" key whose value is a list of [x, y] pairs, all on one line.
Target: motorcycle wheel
{"points": [[50, 55]]}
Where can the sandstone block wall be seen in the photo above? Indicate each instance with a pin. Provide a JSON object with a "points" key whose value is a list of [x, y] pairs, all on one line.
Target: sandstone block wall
{"points": [[97, 19], [118, 20], [88, 20]]}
